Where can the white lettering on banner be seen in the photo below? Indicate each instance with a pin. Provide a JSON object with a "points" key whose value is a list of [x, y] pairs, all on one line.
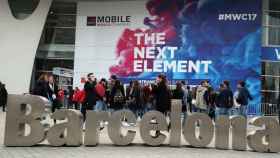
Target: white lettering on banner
{"points": [[157, 57], [265, 138], [277, 53], [183, 66], [150, 52], [237, 17]]}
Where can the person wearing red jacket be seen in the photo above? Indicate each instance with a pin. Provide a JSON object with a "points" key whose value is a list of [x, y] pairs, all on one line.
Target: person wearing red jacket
{"points": [[100, 89], [76, 98]]}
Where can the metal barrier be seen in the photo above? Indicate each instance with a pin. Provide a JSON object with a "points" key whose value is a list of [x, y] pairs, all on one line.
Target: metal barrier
{"points": [[265, 109]]}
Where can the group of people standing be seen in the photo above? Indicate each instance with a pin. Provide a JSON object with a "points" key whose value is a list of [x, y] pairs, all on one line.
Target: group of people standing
{"points": [[103, 95], [223, 101], [47, 87]]}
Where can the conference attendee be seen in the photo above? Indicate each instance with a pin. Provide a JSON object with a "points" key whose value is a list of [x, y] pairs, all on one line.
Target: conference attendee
{"points": [[100, 95], [60, 97], [76, 98], [178, 93], [41, 86], [128, 89], [236, 106], [211, 102], [53, 93], [3, 96], [201, 97], [117, 94], [90, 94], [135, 99], [162, 94], [70, 97], [147, 98], [224, 101], [243, 98]]}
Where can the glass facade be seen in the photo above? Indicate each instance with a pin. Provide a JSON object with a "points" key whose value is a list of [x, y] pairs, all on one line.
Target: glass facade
{"points": [[57, 43], [22, 9], [271, 38]]}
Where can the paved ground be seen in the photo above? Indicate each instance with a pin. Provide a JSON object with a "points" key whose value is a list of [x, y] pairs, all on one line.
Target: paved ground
{"points": [[107, 150]]}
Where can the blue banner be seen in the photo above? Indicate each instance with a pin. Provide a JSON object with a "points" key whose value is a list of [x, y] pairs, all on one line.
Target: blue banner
{"points": [[271, 53]]}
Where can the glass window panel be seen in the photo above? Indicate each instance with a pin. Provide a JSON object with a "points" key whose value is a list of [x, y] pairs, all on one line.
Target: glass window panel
{"points": [[63, 8], [274, 5], [270, 97], [22, 9], [271, 18], [271, 68], [274, 18], [61, 20], [274, 36], [59, 36], [265, 36], [270, 83]]}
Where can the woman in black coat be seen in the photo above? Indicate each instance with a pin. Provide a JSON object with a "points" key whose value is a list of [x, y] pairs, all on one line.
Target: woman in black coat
{"points": [[162, 95], [41, 87]]}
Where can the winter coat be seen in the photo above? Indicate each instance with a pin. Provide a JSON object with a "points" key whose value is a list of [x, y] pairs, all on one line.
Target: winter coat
{"points": [[162, 97], [201, 101], [225, 99], [41, 89], [243, 96], [90, 95]]}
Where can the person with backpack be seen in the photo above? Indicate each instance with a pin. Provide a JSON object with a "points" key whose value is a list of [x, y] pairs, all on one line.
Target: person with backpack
{"points": [[243, 98], [117, 95], [224, 100], [3, 96]]}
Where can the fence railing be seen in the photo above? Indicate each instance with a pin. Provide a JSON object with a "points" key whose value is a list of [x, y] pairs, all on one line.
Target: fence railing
{"points": [[265, 109]]}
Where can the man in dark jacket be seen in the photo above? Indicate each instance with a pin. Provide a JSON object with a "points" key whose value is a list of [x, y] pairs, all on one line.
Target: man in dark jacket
{"points": [[3, 96], [224, 100], [90, 94], [243, 98]]}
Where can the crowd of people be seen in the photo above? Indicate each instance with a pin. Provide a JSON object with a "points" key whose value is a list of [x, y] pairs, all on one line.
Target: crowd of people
{"points": [[112, 95]]}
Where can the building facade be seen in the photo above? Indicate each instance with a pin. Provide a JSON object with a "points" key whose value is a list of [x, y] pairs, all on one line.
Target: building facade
{"points": [[56, 47]]}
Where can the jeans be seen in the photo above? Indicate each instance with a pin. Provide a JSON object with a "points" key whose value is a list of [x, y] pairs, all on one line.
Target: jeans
{"points": [[185, 115], [243, 110], [235, 111], [100, 106], [222, 111]]}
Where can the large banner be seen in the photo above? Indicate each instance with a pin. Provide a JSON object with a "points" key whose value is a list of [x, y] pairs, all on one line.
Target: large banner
{"points": [[190, 40], [270, 53]]}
